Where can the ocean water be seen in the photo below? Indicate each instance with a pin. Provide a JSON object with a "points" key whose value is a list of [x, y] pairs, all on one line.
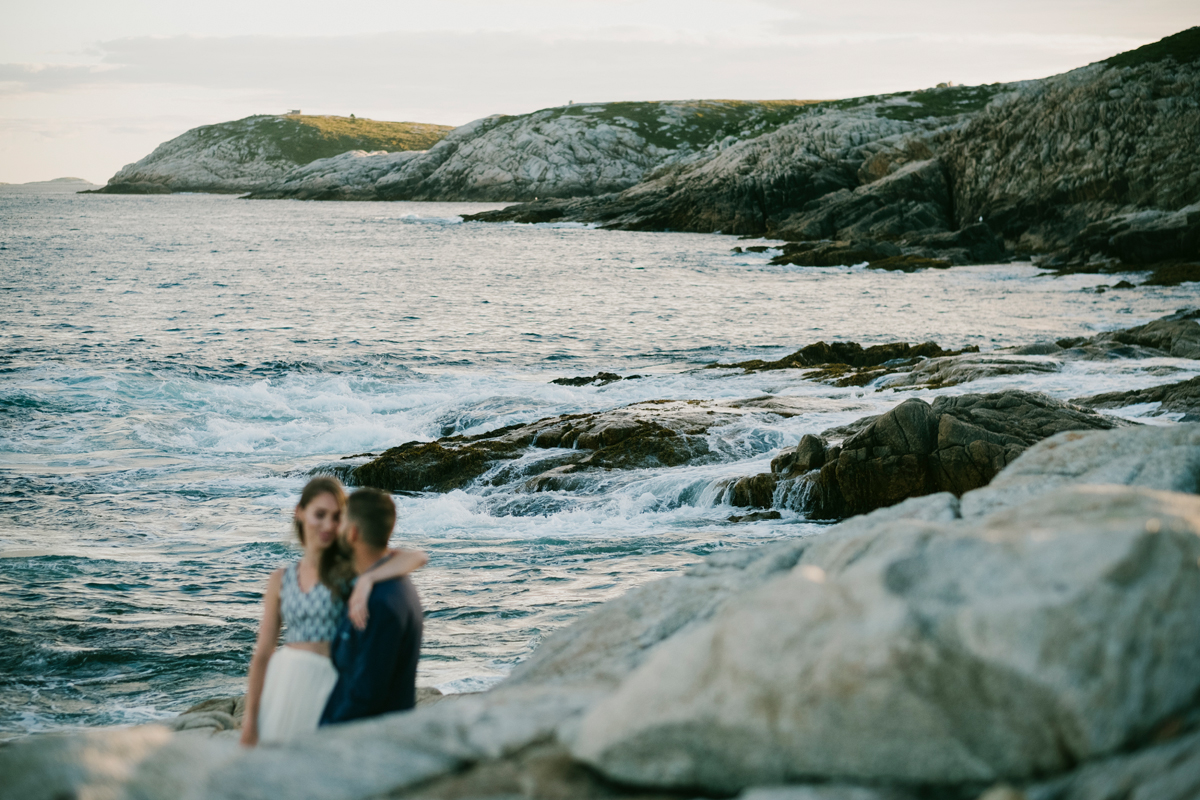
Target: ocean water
{"points": [[173, 368]]}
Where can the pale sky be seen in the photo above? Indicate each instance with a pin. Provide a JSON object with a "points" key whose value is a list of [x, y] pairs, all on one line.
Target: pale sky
{"points": [[87, 86]]}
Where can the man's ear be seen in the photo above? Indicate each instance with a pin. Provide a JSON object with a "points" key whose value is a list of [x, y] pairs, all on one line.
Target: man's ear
{"points": [[352, 534]]}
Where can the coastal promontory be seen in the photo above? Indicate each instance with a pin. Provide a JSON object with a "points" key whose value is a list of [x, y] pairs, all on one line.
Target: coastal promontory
{"points": [[237, 157]]}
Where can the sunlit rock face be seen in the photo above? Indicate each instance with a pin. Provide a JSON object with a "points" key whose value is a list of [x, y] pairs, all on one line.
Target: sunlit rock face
{"points": [[244, 155], [913, 652], [564, 152]]}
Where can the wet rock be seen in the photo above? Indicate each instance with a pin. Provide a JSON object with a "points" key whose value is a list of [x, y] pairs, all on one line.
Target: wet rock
{"points": [[808, 455], [850, 355], [1166, 458], [955, 445], [909, 263], [756, 516], [835, 253], [1172, 275], [1183, 396], [432, 466], [599, 379], [935, 653], [972, 244], [951, 371], [1143, 237], [755, 491], [640, 436], [1176, 335]]}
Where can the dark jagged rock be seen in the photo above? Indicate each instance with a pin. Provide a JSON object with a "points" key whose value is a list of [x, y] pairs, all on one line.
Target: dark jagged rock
{"points": [[954, 445], [1176, 335], [599, 379], [913, 198], [1169, 275], [834, 253], [641, 436], [909, 263], [851, 354], [808, 455], [849, 363], [1142, 237], [756, 516], [755, 491], [1174, 397], [1092, 163]]}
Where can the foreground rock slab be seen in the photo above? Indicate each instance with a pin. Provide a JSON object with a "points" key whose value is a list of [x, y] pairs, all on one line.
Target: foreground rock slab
{"points": [[948, 653], [1166, 458]]}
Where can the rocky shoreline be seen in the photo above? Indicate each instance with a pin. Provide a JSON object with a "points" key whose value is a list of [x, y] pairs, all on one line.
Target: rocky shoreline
{"points": [[1094, 170], [1034, 639], [956, 444], [1007, 611]]}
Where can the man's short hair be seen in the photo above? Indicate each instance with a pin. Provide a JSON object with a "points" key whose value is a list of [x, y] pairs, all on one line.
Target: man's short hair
{"points": [[375, 515]]}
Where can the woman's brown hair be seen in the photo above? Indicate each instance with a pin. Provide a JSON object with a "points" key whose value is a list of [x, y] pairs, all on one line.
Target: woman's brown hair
{"points": [[337, 567]]}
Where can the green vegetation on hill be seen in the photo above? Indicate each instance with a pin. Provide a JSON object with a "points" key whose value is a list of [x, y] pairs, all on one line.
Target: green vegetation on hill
{"points": [[1183, 47], [302, 139], [696, 123], [943, 101]]}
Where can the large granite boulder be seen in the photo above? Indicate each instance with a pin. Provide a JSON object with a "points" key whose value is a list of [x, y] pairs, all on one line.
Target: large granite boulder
{"points": [[1166, 771], [1006, 647], [1166, 458]]}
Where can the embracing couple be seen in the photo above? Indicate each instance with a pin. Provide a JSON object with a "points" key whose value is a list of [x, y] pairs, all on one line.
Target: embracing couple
{"points": [[351, 620]]}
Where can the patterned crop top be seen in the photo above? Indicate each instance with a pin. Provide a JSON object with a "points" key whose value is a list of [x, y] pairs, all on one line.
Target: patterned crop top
{"points": [[311, 616]]}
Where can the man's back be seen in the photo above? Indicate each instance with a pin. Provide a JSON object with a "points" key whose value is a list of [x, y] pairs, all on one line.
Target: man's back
{"points": [[377, 667]]}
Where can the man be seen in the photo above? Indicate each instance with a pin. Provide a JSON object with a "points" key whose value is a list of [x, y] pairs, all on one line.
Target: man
{"points": [[377, 666]]}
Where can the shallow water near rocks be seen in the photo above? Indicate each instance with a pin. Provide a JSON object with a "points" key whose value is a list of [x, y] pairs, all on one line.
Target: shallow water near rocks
{"points": [[174, 367]]}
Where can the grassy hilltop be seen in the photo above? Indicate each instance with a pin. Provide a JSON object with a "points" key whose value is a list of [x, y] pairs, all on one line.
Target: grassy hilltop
{"points": [[304, 138], [240, 155]]}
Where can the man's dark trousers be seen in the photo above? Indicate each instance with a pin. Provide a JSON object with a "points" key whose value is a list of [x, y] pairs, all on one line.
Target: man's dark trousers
{"points": [[377, 667]]}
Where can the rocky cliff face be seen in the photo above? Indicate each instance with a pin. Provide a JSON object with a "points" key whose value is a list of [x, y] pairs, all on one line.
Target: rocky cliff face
{"points": [[1101, 163], [570, 151], [240, 156], [752, 186], [1094, 169]]}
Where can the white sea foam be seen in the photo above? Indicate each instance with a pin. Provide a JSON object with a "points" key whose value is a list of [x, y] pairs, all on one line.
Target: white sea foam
{"points": [[176, 368]]}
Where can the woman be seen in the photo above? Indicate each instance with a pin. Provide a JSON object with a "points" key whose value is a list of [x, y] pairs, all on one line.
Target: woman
{"points": [[289, 685]]}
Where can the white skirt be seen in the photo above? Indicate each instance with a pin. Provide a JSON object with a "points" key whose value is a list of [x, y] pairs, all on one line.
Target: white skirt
{"points": [[296, 688]]}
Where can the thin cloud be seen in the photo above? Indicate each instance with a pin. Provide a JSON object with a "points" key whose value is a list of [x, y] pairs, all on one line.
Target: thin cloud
{"points": [[515, 69]]}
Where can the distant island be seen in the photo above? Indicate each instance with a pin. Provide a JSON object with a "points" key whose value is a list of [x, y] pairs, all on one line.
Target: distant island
{"points": [[247, 154], [1096, 169], [51, 182]]}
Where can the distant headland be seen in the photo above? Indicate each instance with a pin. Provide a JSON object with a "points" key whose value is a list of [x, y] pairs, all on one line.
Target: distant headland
{"points": [[1095, 169]]}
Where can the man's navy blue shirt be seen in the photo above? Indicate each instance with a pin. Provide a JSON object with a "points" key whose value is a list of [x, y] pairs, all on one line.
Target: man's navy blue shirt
{"points": [[377, 667]]}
